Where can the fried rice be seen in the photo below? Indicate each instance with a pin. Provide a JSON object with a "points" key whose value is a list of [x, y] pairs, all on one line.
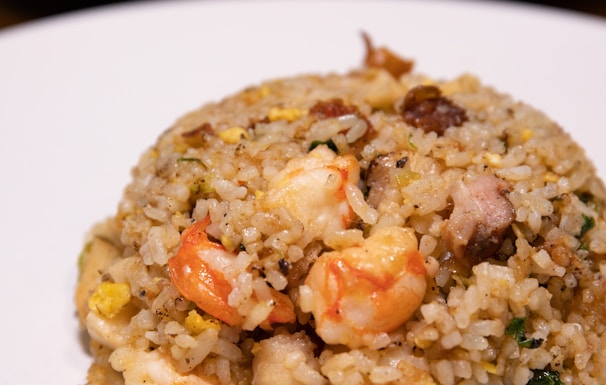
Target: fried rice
{"points": [[371, 227]]}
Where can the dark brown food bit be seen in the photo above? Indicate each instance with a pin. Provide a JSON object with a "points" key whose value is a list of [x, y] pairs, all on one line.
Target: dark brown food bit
{"points": [[298, 270], [383, 58], [284, 266], [401, 162], [336, 108], [378, 175], [252, 122], [424, 107], [195, 137], [332, 109]]}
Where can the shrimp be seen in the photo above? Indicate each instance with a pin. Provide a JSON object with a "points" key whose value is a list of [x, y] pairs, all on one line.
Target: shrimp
{"points": [[314, 189], [362, 292], [208, 288]]}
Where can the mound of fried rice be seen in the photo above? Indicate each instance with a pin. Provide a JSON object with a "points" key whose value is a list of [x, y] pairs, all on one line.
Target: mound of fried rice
{"points": [[506, 210]]}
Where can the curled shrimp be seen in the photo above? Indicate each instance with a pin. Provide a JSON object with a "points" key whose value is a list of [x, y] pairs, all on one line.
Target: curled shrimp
{"points": [[362, 292], [208, 287], [314, 189]]}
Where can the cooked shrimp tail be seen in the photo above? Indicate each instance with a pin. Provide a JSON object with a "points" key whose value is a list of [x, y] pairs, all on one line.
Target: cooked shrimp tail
{"points": [[208, 288]]}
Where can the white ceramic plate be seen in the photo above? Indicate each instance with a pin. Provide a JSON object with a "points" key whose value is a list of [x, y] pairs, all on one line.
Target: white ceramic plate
{"points": [[81, 96]]}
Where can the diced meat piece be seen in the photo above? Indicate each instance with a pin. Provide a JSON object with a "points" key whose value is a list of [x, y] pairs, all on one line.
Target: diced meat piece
{"points": [[332, 109], [383, 58], [378, 175], [349, 121], [195, 137], [298, 270], [481, 215], [424, 107]]}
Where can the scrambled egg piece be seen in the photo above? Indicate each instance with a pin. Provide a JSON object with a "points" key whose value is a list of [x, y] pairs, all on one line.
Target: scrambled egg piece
{"points": [[228, 243], [195, 324], [253, 95], [288, 114], [406, 177], [233, 135], [109, 298], [489, 367], [527, 134], [551, 177]]}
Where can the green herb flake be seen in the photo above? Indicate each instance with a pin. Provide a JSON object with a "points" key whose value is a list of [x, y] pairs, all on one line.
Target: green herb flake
{"points": [[588, 224], [584, 196], [202, 186], [517, 330], [366, 230], [184, 159], [545, 377], [329, 143], [410, 143]]}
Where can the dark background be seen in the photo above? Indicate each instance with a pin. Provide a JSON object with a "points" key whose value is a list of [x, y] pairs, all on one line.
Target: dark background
{"points": [[14, 12]]}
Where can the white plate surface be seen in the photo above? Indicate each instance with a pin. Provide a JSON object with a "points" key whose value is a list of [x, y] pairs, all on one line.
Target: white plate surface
{"points": [[82, 95]]}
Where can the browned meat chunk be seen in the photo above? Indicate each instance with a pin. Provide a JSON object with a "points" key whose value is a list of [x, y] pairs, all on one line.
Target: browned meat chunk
{"points": [[384, 58], [424, 107], [378, 175], [332, 109], [195, 137], [481, 215], [358, 134]]}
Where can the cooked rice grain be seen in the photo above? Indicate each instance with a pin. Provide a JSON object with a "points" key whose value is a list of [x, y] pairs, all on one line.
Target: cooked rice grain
{"points": [[530, 245]]}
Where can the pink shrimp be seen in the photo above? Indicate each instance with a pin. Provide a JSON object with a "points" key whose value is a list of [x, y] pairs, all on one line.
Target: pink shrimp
{"points": [[313, 188], [361, 292], [208, 288]]}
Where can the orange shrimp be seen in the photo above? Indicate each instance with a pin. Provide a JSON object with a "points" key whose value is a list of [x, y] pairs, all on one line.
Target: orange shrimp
{"points": [[313, 188], [208, 288], [362, 292]]}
